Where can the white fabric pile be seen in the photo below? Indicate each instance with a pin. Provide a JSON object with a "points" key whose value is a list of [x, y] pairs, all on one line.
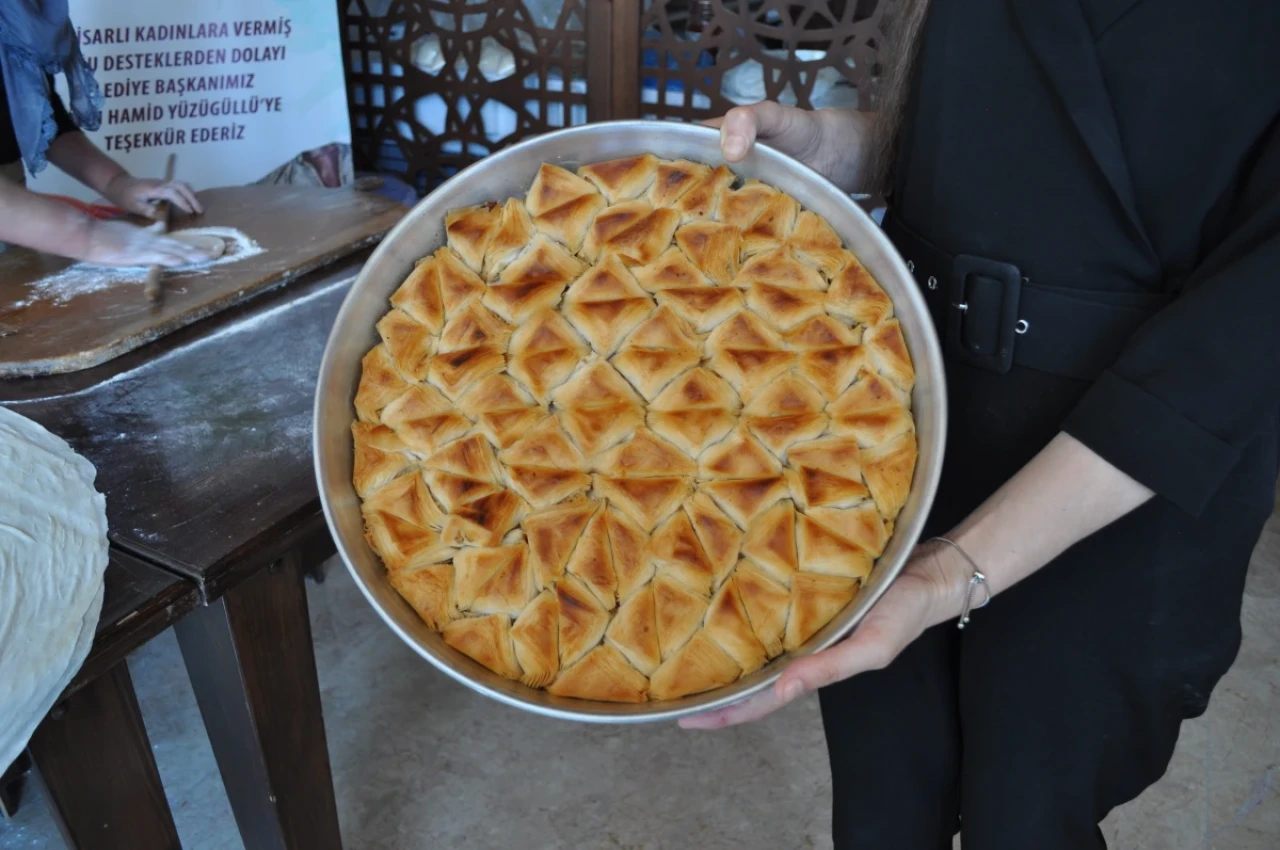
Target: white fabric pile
{"points": [[53, 552]]}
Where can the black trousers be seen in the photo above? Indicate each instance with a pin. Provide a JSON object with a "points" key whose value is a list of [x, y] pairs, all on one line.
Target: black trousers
{"points": [[1063, 698]]}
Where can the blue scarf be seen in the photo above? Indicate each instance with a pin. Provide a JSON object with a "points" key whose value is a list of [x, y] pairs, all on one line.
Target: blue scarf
{"points": [[36, 42]]}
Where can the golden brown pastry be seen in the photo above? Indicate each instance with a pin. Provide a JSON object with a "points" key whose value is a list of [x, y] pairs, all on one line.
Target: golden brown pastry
{"points": [[563, 205], [635, 434], [419, 295], [622, 179], [533, 281], [603, 675], [606, 303], [512, 231], [661, 347], [380, 384], [713, 248], [545, 350], [699, 666], [487, 640], [672, 270], [633, 230], [469, 229], [429, 591]]}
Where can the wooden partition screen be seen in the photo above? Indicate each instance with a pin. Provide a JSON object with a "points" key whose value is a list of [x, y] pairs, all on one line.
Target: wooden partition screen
{"points": [[434, 85]]}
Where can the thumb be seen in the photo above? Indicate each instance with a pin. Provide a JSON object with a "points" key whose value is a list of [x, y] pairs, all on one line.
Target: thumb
{"points": [[764, 121]]}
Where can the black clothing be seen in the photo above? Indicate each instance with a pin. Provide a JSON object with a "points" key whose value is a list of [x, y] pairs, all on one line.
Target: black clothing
{"points": [[9, 151], [1112, 151]]}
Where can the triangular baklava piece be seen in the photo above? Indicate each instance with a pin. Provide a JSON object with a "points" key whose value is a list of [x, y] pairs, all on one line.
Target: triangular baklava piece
{"points": [[770, 542], [871, 411], [786, 411], [699, 666], [677, 552], [629, 543], [553, 533], [544, 351], [721, 539], [713, 247], [622, 179], [603, 675], [380, 384], [672, 270], [633, 230], [888, 468], [856, 296], [634, 631], [536, 637], [419, 295], [729, 626], [766, 603], [380, 455], [424, 419], [660, 348], [582, 619], [469, 229], [887, 350], [679, 613], [815, 599], [534, 281], [429, 591], [486, 640]]}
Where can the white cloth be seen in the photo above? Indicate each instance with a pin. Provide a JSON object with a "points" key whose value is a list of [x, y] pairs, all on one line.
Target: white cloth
{"points": [[53, 553]]}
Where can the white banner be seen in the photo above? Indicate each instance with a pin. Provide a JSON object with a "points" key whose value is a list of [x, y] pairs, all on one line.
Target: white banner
{"points": [[236, 88]]}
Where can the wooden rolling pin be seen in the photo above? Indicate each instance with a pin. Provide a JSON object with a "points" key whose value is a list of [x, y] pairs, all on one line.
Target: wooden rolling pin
{"points": [[152, 287]]}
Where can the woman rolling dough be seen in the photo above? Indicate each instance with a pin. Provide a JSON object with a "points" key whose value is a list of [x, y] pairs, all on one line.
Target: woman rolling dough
{"points": [[36, 42]]}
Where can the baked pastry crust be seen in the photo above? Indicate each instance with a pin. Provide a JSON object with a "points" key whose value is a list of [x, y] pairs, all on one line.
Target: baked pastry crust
{"points": [[635, 434]]}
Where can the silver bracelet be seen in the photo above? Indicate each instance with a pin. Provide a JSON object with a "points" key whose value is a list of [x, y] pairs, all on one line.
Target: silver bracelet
{"points": [[975, 581]]}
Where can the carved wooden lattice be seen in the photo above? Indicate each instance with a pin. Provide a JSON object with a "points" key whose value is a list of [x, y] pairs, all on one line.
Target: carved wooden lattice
{"points": [[434, 85], [700, 57]]}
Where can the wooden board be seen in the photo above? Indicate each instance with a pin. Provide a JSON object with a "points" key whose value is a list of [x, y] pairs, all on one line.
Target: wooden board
{"points": [[73, 328]]}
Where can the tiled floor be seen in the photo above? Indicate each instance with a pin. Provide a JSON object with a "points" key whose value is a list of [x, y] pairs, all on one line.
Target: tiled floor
{"points": [[420, 762]]}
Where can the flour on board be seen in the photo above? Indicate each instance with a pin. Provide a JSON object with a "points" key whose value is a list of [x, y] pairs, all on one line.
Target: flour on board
{"points": [[83, 278]]}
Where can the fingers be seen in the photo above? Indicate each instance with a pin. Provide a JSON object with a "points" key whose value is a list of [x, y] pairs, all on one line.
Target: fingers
{"points": [[764, 703], [190, 202], [172, 193], [738, 131], [742, 126]]}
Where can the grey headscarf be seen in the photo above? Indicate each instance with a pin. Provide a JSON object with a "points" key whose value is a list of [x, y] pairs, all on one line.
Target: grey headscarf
{"points": [[37, 41]]}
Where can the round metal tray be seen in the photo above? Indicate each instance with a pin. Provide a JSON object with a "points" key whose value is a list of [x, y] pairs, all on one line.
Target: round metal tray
{"points": [[509, 173]]}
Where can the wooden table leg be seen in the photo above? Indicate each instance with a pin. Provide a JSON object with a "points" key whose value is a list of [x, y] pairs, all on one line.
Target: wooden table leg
{"points": [[253, 669], [93, 757]]}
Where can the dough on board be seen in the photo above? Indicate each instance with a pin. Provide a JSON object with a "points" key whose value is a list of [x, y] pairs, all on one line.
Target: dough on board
{"points": [[214, 246]]}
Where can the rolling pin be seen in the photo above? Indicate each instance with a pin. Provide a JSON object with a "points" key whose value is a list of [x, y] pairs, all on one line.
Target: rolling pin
{"points": [[152, 286]]}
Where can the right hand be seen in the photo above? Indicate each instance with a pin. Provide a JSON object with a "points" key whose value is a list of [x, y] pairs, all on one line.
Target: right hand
{"points": [[116, 243], [833, 142]]}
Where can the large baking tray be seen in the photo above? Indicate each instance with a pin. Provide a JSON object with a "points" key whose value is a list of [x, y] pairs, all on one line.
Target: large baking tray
{"points": [[509, 173]]}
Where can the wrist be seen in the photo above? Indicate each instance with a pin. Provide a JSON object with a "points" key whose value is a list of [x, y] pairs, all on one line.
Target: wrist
{"points": [[114, 183], [949, 573]]}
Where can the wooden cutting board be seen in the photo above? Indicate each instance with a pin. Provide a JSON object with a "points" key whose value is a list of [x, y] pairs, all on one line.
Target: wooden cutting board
{"points": [[54, 321]]}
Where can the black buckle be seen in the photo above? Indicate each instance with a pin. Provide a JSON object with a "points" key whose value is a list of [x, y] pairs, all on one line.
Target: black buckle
{"points": [[995, 351]]}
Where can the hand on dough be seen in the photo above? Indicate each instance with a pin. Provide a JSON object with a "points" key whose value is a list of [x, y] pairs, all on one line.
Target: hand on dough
{"points": [[115, 243], [140, 195]]}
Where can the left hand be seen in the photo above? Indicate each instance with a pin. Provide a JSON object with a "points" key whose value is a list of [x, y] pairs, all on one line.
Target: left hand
{"points": [[140, 195], [928, 591]]}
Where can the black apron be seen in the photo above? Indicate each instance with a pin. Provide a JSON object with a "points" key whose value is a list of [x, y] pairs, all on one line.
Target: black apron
{"points": [[1064, 696]]}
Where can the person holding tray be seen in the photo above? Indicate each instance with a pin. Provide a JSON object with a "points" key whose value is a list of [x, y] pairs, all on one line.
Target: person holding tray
{"points": [[36, 41], [1089, 198]]}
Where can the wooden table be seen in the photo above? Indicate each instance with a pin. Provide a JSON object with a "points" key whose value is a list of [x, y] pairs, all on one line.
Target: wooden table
{"points": [[203, 447]]}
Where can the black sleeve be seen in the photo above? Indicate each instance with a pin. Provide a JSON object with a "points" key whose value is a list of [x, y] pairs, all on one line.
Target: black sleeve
{"points": [[60, 115], [1201, 378]]}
